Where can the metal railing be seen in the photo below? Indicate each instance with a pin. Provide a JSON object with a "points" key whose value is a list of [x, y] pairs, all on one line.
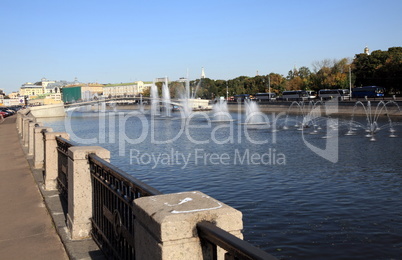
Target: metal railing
{"points": [[112, 214], [213, 237], [113, 218], [62, 165]]}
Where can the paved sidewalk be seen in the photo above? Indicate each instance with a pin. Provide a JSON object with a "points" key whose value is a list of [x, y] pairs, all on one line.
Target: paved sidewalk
{"points": [[26, 228]]}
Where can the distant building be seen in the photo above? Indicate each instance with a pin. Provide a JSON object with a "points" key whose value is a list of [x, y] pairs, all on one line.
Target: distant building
{"points": [[162, 79], [72, 94], [30, 89], [44, 92], [202, 73], [2, 94], [13, 99], [13, 102], [44, 86], [125, 89], [367, 51], [182, 79], [13, 95]]}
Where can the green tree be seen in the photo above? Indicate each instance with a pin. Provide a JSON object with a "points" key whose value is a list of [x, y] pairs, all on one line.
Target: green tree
{"points": [[382, 68]]}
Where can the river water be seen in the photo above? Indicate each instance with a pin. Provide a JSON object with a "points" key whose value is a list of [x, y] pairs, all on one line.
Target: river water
{"points": [[302, 195]]}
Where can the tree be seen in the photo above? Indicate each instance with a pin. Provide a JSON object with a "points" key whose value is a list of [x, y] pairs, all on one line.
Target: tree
{"points": [[381, 68], [277, 83], [295, 83], [304, 72], [330, 74], [146, 92]]}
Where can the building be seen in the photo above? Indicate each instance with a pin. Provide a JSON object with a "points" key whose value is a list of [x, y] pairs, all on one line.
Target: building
{"points": [[43, 87], [13, 95], [13, 102], [71, 94], [91, 90], [35, 89], [367, 50], [164, 79], [31, 89], [2, 94], [125, 89], [44, 92]]}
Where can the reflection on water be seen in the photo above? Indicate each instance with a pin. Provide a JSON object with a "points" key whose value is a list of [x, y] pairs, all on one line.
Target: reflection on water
{"points": [[296, 204]]}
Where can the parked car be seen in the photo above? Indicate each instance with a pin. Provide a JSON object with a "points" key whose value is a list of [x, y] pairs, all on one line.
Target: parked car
{"points": [[3, 114], [6, 112]]}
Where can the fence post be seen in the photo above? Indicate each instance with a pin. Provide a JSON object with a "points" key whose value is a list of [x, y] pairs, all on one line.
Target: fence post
{"points": [[80, 189], [165, 225], [19, 116], [25, 130], [31, 126], [50, 178], [20, 120], [39, 146]]}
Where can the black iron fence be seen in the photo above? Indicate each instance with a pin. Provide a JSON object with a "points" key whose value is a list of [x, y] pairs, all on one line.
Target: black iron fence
{"points": [[114, 191], [213, 237], [62, 165], [112, 216]]}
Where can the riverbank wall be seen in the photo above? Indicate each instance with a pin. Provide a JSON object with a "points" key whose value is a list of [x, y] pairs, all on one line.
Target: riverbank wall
{"points": [[46, 111], [343, 108]]}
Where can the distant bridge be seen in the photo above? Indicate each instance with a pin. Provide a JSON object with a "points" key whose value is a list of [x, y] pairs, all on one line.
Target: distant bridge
{"points": [[118, 100]]}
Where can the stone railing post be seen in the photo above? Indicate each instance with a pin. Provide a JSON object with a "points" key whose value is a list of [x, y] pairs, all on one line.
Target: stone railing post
{"points": [[165, 225], [31, 126], [20, 123], [25, 130], [31, 139], [80, 189], [19, 115], [51, 161], [20, 119], [39, 147]]}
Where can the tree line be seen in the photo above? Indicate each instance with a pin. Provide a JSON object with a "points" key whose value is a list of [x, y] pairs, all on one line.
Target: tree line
{"points": [[380, 68]]}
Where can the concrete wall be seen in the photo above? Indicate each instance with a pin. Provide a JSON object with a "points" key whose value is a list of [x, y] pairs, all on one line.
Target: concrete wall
{"points": [[56, 110]]}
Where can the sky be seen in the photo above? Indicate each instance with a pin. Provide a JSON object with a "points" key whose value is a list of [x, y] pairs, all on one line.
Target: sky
{"points": [[129, 40]]}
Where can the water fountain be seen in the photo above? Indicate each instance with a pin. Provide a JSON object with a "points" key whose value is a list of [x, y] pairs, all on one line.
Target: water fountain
{"points": [[372, 126], [86, 95], [166, 100], [113, 106], [309, 113], [141, 105], [102, 106], [187, 108], [254, 115], [221, 111], [154, 100], [189, 102]]}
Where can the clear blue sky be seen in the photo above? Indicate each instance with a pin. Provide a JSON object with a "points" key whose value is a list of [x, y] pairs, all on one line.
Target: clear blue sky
{"points": [[122, 41]]}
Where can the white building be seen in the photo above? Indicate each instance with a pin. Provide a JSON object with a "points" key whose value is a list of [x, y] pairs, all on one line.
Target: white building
{"points": [[125, 89], [1, 96]]}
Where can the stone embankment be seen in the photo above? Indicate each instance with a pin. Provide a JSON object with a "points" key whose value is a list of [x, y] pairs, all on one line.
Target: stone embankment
{"points": [[337, 108]]}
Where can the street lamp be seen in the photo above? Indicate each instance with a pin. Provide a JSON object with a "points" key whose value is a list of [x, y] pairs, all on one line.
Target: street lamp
{"points": [[350, 83], [269, 87]]}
